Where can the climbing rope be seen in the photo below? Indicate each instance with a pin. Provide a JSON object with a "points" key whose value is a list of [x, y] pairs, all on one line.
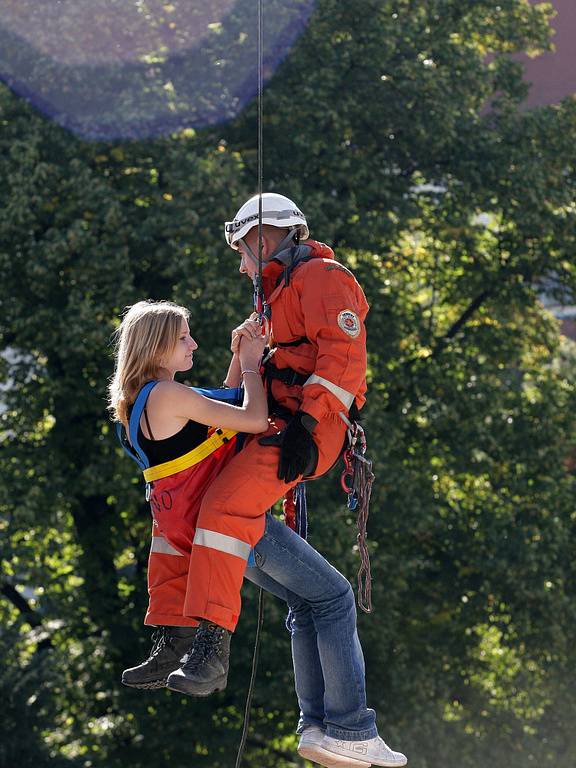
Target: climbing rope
{"points": [[259, 288], [255, 657], [260, 308]]}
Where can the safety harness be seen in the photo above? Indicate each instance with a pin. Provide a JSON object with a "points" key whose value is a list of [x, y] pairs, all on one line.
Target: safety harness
{"points": [[216, 438], [295, 509]]}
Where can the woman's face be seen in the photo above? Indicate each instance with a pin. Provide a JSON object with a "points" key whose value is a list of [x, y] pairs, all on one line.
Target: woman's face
{"points": [[180, 358]]}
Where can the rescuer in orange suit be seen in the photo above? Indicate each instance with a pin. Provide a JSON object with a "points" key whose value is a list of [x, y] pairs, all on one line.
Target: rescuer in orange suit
{"points": [[315, 374]]}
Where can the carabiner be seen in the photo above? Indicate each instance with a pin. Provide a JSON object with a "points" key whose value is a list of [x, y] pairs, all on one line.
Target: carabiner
{"points": [[347, 476], [352, 501]]}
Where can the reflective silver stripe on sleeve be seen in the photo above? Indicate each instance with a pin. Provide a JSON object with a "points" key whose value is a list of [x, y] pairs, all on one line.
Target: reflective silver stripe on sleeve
{"points": [[345, 397], [163, 547], [222, 543]]}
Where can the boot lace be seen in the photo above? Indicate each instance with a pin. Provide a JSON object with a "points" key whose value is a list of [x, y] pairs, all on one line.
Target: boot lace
{"points": [[206, 644], [160, 640]]}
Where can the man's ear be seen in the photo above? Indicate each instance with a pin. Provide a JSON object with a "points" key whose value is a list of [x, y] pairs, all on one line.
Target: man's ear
{"points": [[267, 246]]}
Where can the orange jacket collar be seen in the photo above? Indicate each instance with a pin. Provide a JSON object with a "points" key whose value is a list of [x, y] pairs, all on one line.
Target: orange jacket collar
{"points": [[273, 269]]}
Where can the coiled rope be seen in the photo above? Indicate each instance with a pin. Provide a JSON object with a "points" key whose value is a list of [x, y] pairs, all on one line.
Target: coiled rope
{"points": [[356, 481], [362, 484]]}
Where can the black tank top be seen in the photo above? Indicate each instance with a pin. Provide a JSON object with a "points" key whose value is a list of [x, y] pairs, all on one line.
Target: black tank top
{"points": [[188, 438]]}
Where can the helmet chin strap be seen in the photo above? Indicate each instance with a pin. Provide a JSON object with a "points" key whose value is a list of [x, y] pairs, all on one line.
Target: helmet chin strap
{"points": [[259, 300], [256, 276], [249, 250], [291, 237]]}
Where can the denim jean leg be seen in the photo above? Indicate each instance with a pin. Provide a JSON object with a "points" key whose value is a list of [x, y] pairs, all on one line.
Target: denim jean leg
{"points": [[308, 673], [342, 660], [326, 648], [308, 678]]}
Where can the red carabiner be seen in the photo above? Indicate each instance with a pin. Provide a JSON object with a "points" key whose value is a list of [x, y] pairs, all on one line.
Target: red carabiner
{"points": [[347, 476]]}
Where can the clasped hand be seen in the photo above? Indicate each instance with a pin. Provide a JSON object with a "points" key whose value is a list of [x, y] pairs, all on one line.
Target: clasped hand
{"points": [[250, 333]]}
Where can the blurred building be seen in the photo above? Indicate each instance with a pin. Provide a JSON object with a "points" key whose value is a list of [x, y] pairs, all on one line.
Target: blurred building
{"points": [[553, 75], [553, 78]]}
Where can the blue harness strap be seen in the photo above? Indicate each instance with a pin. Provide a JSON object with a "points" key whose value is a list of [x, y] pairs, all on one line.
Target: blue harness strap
{"points": [[134, 423], [230, 395], [129, 442]]}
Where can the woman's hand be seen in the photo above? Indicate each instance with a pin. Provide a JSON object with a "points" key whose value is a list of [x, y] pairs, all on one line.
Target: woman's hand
{"points": [[250, 350], [250, 330]]}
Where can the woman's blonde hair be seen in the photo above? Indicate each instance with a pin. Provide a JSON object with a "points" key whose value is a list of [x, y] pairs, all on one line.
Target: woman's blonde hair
{"points": [[148, 332]]}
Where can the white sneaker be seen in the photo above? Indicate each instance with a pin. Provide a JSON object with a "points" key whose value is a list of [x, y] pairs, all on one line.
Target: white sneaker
{"points": [[311, 748], [310, 738], [369, 752]]}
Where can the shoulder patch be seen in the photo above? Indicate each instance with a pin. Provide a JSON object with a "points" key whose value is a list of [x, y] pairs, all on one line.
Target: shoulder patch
{"points": [[338, 267], [348, 321]]}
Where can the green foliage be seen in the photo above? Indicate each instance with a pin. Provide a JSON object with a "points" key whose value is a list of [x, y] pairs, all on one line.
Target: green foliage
{"points": [[451, 216]]}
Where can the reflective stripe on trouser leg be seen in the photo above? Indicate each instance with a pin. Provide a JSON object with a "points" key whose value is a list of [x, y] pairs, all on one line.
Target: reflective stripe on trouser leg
{"points": [[162, 546], [167, 583], [234, 506], [222, 543]]}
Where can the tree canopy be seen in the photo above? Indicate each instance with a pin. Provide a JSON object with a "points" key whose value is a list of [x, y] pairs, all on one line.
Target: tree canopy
{"points": [[397, 125]]}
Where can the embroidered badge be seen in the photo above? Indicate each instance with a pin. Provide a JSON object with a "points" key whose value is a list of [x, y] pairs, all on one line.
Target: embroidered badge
{"points": [[348, 321], [339, 267]]}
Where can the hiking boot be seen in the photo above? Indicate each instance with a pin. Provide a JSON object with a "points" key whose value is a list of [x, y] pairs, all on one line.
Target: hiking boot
{"points": [[367, 752], [170, 646], [310, 747], [205, 670]]}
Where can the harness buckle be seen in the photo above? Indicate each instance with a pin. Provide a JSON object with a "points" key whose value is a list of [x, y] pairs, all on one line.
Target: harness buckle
{"points": [[287, 376], [292, 379]]}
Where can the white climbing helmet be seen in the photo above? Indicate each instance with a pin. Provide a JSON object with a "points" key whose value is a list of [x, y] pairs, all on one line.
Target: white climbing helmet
{"points": [[277, 210]]}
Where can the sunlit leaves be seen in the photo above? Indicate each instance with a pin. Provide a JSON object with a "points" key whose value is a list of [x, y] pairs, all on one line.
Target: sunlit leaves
{"points": [[452, 218]]}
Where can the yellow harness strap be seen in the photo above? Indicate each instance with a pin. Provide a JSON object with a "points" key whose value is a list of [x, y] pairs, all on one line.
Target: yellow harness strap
{"points": [[215, 441]]}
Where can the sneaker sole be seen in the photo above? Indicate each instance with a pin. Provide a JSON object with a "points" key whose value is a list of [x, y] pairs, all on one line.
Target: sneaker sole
{"points": [[149, 686], [374, 761], [183, 685], [317, 754]]}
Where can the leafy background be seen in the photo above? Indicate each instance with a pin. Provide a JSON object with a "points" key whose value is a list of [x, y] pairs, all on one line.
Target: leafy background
{"points": [[453, 216]]}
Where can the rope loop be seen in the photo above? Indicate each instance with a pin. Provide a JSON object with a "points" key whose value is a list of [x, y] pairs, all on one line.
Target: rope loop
{"points": [[356, 481]]}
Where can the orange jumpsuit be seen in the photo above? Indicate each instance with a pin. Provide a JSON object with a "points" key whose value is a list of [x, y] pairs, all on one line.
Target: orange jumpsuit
{"points": [[317, 329]]}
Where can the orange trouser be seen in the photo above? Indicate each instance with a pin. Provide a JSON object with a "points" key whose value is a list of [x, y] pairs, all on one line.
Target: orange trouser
{"points": [[167, 580], [231, 520], [175, 503]]}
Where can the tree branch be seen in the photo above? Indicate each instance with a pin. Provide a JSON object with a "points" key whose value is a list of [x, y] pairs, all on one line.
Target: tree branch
{"points": [[473, 307], [18, 601], [11, 593]]}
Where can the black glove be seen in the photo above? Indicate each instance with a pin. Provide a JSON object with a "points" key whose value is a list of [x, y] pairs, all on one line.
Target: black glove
{"points": [[298, 451]]}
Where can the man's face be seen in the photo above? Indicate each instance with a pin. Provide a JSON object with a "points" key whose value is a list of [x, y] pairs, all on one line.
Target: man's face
{"points": [[248, 266]]}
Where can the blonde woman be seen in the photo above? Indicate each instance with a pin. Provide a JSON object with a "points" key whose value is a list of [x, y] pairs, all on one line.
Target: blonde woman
{"points": [[182, 439]]}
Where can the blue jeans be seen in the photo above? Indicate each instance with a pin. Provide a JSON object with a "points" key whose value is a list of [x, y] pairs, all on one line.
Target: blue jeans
{"points": [[326, 652]]}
